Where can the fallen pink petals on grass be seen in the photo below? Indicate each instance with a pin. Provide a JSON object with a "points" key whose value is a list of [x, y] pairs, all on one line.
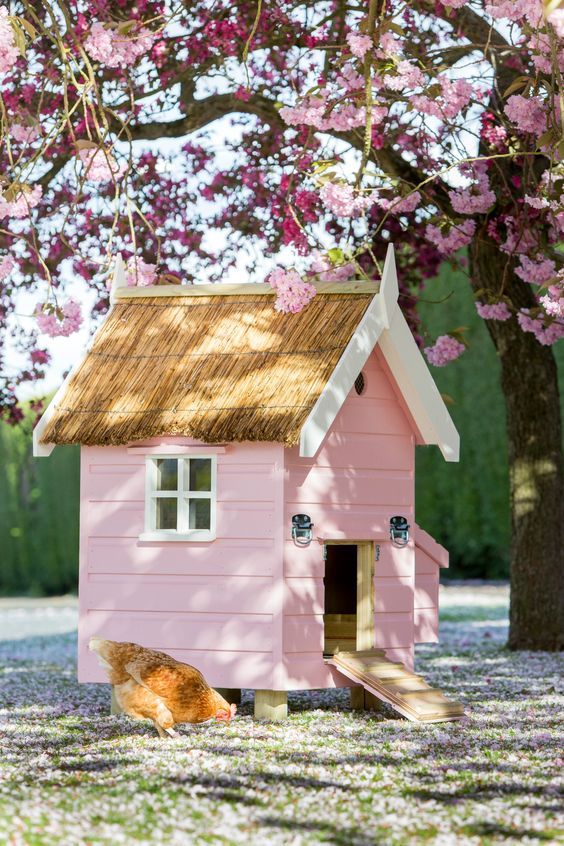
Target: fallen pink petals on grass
{"points": [[71, 773]]}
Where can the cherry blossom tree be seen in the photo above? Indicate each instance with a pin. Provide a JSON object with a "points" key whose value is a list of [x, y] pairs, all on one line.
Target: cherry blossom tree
{"points": [[195, 138]]}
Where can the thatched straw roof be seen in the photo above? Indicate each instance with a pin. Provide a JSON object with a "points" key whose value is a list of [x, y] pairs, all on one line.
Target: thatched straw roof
{"points": [[215, 368]]}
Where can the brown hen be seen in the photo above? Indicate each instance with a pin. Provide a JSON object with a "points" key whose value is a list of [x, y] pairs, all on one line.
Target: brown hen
{"points": [[152, 685]]}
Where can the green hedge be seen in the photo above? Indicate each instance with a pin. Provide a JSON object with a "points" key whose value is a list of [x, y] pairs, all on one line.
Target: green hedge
{"points": [[39, 501], [465, 505]]}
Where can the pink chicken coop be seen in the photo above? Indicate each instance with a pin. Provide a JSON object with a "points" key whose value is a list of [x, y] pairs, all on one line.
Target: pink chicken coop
{"points": [[247, 488]]}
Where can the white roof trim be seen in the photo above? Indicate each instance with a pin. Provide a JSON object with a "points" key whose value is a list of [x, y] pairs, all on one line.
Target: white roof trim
{"points": [[418, 388], [375, 320], [43, 450], [384, 324]]}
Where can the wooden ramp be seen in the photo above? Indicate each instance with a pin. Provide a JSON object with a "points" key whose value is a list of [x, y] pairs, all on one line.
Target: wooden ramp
{"points": [[391, 682]]}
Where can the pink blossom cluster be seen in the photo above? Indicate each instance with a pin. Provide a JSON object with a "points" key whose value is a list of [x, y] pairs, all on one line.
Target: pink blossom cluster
{"points": [[350, 79], [457, 236], [519, 239], [359, 44], [293, 294], [556, 18], [527, 113], [316, 111], [407, 76], [100, 166], [116, 50], [545, 333], [322, 267], [401, 205], [477, 199], [493, 311], [26, 199], [535, 272], [341, 199], [455, 95], [445, 349], [7, 264], [553, 301], [58, 321], [9, 52], [139, 272], [24, 134], [515, 10]]}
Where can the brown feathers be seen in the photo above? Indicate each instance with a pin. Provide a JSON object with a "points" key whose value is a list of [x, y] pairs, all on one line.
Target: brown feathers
{"points": [[153, 685]]}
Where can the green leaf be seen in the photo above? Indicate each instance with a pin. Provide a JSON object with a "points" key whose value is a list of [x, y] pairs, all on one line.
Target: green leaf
{"points": [[336, 256], [29, 28]]}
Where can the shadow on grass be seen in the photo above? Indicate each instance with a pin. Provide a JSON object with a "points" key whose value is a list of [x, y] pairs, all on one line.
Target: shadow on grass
{"points": [[327, 833]]}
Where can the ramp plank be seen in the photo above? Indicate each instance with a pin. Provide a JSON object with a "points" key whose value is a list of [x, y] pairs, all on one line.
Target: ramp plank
{"points": [[391, 682]]}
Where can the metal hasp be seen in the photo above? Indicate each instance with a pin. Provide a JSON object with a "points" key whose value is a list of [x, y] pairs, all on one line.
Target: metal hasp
{"points": [[399, 531], [302, 529]]}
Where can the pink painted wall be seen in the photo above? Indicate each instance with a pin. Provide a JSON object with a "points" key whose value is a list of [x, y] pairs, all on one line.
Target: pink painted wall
{"points": [[247, 608], [155, 593], [362, 475]]}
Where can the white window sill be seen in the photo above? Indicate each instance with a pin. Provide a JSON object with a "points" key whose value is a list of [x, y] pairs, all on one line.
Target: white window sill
{"points": [[175, 537]]}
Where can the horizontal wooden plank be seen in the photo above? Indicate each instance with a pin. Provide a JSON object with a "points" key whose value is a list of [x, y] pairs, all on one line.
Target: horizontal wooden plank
{"points": [[176, 594], [380, 417], [303, 633], [220, 668], [350, 487], [235, 289], [426, 625], [225, 557], [394, 596], [392, 630], [377, 451], [426, 591], [215, 632], [394, 562], [303, 596]]}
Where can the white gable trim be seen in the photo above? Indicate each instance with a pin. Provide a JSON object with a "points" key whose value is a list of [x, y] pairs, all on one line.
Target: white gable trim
{"points": [[384, 324], [41, 450], [376, 318], [418, 388]]}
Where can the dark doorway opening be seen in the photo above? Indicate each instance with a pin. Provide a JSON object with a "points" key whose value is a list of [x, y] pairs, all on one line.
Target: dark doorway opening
{"points": [[340, 617]]}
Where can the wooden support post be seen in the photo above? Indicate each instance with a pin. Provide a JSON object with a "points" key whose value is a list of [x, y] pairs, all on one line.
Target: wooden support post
{"points": [[362, 700], [357, 698], [230, 694], [365, 596], [271, 705], [115, 708]]}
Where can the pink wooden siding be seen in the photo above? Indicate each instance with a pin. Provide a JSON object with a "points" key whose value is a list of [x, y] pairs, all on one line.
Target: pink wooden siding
{"points": [[247, 608], [361, 476], [217, 605], [429, 557]]}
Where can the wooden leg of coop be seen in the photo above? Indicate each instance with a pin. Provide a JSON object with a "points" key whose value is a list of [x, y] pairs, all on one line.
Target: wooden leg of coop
{"points": [[115, 708], [230, 694], [271, 705], [362, 700], [357, 698]]}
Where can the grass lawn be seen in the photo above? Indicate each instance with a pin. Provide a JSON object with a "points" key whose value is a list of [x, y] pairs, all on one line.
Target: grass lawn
{"points": [[71, 774]]}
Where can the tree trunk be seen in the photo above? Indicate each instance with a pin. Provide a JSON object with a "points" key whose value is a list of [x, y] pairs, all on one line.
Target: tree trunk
{"points": [[536, 470]]}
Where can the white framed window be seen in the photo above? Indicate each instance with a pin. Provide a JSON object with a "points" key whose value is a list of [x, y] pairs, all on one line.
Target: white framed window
{"points": [[180, 499]]}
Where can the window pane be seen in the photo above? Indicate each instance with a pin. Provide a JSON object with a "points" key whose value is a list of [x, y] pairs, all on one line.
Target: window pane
{"points": [[167, 474], [199, 514], [166, 512], [199, 474]]}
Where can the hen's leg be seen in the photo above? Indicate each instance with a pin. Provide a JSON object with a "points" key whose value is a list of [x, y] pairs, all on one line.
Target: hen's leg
{"points": [[169, 732]]}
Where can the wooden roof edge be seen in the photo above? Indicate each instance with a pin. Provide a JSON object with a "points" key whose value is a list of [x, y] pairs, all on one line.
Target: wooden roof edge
{"points": [[432, 547], [230, 289]]}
